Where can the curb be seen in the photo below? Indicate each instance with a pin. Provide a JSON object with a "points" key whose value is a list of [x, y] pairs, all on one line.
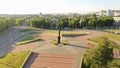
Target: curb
{"points": [[26, 59]]}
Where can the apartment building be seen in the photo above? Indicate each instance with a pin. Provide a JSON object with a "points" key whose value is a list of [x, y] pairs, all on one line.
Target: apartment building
{"points": [[107, 12], [117, 20]]}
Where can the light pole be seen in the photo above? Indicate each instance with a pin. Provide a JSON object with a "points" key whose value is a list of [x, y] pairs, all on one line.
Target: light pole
{"points": [[10, 36], [59, 35], [80, 23]]}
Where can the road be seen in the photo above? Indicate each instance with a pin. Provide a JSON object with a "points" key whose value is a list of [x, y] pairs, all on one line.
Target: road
{"points": [[8, 39]]}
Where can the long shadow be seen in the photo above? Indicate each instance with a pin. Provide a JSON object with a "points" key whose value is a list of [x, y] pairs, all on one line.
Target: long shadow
{"points": [[30, 60], [76, 46], [38, 40], [73, 35]]}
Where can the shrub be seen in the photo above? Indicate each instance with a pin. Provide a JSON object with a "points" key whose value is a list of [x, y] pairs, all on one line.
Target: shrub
{"points": [[99, 57], [65, 42]]}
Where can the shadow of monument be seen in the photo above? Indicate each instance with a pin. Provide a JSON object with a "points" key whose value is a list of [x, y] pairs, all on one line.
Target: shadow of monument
{"points": [[73, 35]]}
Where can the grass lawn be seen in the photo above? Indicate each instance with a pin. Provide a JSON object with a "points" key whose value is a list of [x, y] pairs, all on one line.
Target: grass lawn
{"points": [[14, 59], [97, 39], [25, 30], [65, 42], [30, 29], [114, 36], [114, 64], [112, 30], [27, 39], [63, 32]]}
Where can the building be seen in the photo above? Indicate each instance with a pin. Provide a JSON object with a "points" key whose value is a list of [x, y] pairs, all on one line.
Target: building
{"points": [[110, 12], [116, 12], [107, 12], [117, 20], [102, 12]]}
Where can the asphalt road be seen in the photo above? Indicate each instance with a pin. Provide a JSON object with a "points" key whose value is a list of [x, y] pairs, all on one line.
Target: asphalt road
{"points": [[8, 39]]}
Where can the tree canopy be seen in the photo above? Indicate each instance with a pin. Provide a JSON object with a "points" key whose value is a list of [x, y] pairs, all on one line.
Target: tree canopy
{"points": [[100, 56], [5, 23], [88, 21]]}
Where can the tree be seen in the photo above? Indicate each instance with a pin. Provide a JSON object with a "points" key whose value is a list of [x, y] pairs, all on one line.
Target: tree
{"points": [[20, 21], [99, 57], [74, 22], [5, 23], [39, 22], [84, 22]]}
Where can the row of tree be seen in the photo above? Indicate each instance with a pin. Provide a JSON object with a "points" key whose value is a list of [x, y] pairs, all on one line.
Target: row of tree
{"points": [[39, 22], [5, 23], [94, 21], [86, 21]]}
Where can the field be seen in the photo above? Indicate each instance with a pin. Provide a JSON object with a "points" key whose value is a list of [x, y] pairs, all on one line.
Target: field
{"points": [[13, 60]]}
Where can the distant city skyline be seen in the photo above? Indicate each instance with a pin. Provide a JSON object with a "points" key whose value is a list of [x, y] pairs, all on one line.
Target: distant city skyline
{"points": [[56, 6]]}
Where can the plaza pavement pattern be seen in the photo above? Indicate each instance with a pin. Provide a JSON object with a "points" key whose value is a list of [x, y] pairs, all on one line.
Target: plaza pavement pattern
{"points": [[47, 55], [51, 60]]}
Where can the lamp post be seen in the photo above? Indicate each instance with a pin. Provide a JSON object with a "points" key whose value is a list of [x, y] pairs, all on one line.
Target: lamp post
{"points": [[59, 35], [80, 23]]}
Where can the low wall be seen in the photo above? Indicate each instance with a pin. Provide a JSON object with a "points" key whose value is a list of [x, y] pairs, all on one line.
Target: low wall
{"points": [[26, 59]]}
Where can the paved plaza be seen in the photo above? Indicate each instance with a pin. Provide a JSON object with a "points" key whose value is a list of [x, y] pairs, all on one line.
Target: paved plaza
{"points": [[47, 55]]}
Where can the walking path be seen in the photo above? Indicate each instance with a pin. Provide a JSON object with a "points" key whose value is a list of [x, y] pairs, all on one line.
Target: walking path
{"points": [[51, 60], [48, 55]]}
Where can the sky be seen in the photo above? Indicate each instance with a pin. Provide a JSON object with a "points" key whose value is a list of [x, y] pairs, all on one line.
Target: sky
{"points": [[56, 6]]}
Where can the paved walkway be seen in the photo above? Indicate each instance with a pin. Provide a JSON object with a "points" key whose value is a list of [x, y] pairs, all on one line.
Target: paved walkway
{"points": [[53, 56], [51, 60]]}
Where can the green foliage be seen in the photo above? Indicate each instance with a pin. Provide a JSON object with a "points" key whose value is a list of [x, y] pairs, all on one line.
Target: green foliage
{"points": [[100, 56], [20, 21], [112, 44], [28, 39], [64, 42], [94, 21], [114, 36], [39, 22], [25, 30], [72, 22], [14, 59], [5, 23], [114, 64]]}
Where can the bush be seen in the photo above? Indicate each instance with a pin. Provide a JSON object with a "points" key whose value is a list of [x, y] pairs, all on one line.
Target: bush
{"points": [[65, 42], [5, 23], [100, 56], [112, 44]]}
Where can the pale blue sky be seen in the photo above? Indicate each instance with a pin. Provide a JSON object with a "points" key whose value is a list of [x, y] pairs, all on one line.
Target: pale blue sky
{"points": [[56, 6]]}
